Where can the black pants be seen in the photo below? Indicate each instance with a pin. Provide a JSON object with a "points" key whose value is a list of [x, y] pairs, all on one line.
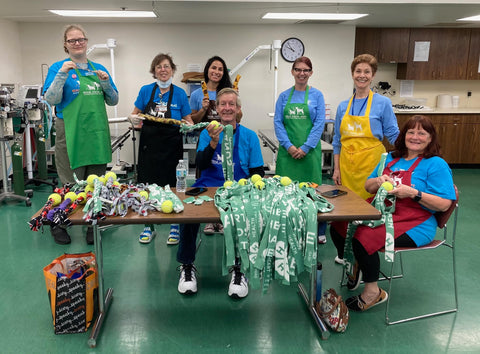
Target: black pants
{"points": [[369, 264]]}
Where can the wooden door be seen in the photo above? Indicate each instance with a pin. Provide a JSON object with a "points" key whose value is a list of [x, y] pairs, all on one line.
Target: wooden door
{"points": [[473, 66]]}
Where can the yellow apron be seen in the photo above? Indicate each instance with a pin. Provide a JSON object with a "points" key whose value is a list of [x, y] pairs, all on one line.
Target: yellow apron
{"points": [[360, 151]]}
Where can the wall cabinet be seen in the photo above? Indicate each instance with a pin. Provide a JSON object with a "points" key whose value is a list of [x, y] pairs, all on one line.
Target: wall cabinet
{"points": [[473, 65], [448, 55], [388, 45], [457, 134]]}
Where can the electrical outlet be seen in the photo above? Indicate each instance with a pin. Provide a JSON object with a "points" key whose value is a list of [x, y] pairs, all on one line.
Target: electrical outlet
{"points": [[469, 93]]}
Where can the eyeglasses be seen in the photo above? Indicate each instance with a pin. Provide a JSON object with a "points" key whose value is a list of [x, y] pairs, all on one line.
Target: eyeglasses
{"points": [[165, 67], [79, 40], [305, 71]]}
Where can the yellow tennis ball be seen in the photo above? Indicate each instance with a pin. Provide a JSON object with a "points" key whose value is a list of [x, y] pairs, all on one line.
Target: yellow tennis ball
{"points": [[228, 184], [144, 194], [215, 124], [167, 206], [71, 195], [242, 181], [82, 195], [255, 178], [277, 176], [91, 179], [57, 198], [116, 184], [89, 188], [102, 180], [260, 184], [111, 174], [303, 184], [387, 185], [285, 180]]}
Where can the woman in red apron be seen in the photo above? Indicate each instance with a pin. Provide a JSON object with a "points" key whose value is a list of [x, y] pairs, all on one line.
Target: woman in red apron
{"points": [[423, 185]]}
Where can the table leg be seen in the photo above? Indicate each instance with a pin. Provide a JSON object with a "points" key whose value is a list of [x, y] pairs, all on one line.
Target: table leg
{"points": [[104, 301], [310, 302]]}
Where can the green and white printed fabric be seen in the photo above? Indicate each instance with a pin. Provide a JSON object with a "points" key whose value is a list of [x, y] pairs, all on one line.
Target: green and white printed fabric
{"points": [[272, 230]]}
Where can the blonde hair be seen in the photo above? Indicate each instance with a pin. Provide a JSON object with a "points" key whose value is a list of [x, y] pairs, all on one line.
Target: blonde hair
{"points": [[68, 29], [226, 91]]}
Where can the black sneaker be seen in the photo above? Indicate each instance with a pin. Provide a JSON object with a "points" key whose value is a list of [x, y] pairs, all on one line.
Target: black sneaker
{"points": [[60, 235], [89, 237], [354, 279]]}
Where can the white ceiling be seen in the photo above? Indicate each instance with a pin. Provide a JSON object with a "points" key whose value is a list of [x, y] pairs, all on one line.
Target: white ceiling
{"points": [[381, 13]]}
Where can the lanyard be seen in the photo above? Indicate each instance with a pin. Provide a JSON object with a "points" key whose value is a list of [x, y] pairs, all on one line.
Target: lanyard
{"points": [[363, 105]]}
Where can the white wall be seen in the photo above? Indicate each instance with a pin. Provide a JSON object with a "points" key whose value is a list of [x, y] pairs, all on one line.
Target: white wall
{"points": [[330, 47], [10, 53]]}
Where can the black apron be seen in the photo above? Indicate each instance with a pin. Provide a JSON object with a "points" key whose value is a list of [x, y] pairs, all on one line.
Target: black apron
{"points": [[160, 148]]}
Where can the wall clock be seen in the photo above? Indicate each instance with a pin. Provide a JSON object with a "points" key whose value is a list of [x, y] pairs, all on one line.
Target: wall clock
{"points": [[292, 49]]}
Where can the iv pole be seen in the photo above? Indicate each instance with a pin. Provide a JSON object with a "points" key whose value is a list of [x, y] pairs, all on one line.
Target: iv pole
{"points": [[275, 47], [110, 45]]}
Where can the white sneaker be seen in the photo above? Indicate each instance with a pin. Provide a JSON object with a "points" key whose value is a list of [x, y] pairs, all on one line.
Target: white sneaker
{"points": [[339, 260], [187, 283], [238, 287], [322, 239]]}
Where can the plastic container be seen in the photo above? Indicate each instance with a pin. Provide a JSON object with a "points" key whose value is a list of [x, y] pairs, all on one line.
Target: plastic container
{"points": [[181, 176], [444, 101], [318, 291]]}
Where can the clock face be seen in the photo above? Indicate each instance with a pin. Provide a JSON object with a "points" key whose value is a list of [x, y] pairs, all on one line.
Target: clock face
{"points": [[292, 49]]}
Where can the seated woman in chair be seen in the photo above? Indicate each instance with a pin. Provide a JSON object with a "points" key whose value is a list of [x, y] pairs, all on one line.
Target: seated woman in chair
{"points": [[423, 185]]}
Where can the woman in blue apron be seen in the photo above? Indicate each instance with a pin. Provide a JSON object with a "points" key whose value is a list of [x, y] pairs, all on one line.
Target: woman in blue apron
{"points": [[79, 90], [161, 145]]}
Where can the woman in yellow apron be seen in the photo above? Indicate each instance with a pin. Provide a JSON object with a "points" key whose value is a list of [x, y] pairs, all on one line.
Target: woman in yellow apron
{"points": [[79, 90], [361, 124]]}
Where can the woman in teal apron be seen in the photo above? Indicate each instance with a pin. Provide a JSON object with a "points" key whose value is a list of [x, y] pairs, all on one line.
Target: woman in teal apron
{"points": [[79, 90], [299, 121]]}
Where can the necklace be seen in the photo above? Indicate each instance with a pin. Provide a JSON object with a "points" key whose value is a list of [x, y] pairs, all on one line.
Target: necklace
{"points": [[363, 105]]}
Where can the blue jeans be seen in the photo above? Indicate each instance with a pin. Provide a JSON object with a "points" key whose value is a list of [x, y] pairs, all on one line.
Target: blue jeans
{"points": [[322, 227], [188, 243]]}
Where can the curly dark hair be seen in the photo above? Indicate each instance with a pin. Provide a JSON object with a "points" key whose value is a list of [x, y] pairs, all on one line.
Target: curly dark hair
{"points": [[225, 80], [433, 149]]}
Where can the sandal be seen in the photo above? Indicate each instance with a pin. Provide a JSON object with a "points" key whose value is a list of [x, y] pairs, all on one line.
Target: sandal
{"points": [[356, 303], [146, 236]]}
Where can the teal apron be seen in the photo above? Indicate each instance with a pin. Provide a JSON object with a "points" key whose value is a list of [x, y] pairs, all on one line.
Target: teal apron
{"points": [[298, 125], [86, 125]]}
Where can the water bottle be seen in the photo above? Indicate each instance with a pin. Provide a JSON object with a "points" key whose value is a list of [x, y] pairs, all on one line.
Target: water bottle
{"points": [[319, 282], [181, 176]]}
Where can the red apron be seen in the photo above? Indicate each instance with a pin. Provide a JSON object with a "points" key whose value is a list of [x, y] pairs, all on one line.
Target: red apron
{"points": [[407, 215]]}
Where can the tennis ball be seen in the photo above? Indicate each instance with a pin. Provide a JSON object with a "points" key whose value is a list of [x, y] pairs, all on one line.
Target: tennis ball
{"points": [[89, 188], [116, 184], [57, 198], [285, 180], [71, 195], [303, 185], [167, 206], [228, 184], [144, 194], [255, 178], [242, 181], [387, 185], [260, 184], [111, 174], [91, 179], [82, 197], [102, 180], [215, 124]]}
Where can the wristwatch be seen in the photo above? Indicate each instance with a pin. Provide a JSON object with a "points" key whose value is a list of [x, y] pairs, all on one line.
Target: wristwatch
{"points": [[418, 197]]}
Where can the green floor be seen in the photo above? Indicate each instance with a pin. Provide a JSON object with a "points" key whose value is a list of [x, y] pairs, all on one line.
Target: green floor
{"points": [[149, 316]]}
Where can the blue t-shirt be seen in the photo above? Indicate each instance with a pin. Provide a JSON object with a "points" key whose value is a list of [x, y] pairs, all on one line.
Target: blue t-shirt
{"points": [[383, 121], [72, 84], [432, 176], [179, 106], [316, 107], [249, 151], [196, 98]]}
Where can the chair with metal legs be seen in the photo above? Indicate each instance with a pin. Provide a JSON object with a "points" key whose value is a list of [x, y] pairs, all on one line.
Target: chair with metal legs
{"points": [[448, 240]]}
